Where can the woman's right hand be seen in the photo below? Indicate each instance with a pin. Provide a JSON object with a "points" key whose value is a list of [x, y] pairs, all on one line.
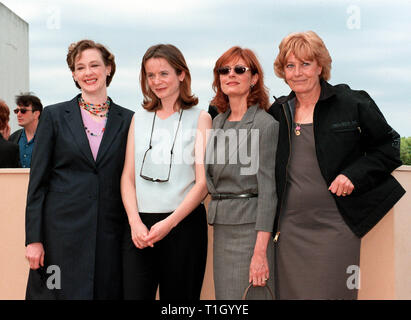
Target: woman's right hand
{"points": [[35, 255], [138, 232]]}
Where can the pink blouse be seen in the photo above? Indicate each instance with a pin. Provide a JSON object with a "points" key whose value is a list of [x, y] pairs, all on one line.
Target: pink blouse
{"points": [[94, 130]]}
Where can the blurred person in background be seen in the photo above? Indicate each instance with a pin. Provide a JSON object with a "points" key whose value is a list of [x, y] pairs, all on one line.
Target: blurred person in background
{"points": [[28, 113], [9, 152]]}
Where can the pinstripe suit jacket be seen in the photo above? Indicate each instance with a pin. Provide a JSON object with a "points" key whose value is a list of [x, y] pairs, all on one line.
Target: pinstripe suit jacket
{"points": [[258, 135]]}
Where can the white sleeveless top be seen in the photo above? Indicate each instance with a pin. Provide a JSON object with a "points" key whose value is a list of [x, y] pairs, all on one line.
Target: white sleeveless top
{"points": [[162, 197]]}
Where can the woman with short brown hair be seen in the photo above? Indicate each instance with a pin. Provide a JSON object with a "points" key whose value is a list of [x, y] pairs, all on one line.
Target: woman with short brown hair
{"points": [[74, 215]]}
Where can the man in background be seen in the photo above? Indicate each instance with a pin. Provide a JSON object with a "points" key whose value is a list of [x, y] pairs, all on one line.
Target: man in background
{"points": [[28, 113]]}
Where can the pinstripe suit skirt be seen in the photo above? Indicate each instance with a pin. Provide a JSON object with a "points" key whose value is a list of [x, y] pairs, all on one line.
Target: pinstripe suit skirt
{"points": [[233, 250]]}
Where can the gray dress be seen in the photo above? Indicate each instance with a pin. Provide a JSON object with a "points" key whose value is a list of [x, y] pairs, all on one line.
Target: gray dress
{"points": [[233, 249], [316, 247]]}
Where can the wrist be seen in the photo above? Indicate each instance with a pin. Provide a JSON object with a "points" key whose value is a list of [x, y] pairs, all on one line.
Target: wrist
{"points": [[134, 218], [260, 251], [172, 220]]}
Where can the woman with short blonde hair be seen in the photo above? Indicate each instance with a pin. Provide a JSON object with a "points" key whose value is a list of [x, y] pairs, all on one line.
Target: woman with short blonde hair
{"points": [[334, 161]]}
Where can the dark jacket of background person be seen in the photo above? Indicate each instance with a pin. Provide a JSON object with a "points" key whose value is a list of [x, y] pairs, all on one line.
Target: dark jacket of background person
{"points": [[213, 111], [9, 154], [352, 138], [15, 137], [71, 196]]}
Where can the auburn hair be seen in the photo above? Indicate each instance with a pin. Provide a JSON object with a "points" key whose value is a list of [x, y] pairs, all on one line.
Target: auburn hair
{"points": [[258, 93], [4, 114]]}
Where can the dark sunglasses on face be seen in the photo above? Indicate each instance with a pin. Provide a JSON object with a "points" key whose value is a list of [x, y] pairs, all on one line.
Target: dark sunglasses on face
{"points": [[22, 110], [237, 69]]}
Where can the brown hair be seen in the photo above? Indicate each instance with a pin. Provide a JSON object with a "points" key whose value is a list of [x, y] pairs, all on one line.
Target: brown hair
{"points": [[4, 114], [76, 48], [258, 93], [305, 46], [176, 60]]}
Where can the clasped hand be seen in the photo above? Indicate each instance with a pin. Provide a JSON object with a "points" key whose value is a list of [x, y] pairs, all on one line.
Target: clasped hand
{"points": [[142, 237]]}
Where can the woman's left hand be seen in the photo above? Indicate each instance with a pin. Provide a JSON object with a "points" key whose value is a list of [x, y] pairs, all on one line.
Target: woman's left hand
{"points": [[259, 271], [341, 186], [158, 231]]}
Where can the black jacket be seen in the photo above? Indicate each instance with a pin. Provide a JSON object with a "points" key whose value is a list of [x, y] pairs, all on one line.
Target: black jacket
{"points": [[15, 136], [74, 204], [352, 138], [9, 154]]}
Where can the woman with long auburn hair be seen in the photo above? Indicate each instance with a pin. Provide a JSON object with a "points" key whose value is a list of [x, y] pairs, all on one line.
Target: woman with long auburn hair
{"points": [[243, 197]]}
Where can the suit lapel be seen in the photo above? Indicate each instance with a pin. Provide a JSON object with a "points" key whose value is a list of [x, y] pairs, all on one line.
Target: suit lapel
{"points": [[114, 124], [218, 122], [245, 124], [75, 124]]}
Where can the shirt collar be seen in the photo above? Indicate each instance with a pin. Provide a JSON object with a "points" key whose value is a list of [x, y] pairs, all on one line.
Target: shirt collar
{"points": [[24, 136], [327, 91]]}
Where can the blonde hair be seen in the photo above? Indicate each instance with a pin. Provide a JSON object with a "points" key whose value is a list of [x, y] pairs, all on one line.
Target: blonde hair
{"points": [[305, 46]]}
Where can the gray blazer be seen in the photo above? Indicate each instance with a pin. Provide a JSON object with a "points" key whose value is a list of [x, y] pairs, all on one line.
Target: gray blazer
{"points": [[258, 132]]}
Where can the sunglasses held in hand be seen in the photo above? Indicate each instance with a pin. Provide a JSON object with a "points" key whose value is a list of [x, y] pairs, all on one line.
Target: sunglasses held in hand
{"points": [[237, 69]]}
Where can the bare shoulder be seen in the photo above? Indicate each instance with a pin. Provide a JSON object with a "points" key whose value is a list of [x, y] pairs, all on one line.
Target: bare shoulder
{"points": [[204, 119]]}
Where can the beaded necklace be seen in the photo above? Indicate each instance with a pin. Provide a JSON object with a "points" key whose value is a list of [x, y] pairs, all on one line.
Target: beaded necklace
{"points": [[95, 109], [96, 134]]}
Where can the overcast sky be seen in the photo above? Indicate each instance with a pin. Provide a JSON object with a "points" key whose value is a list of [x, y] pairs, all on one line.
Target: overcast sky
{"points": [[369, 42]]}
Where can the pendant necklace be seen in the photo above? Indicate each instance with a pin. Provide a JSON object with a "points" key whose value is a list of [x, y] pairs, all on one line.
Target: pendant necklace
{"points": [[297, 129]]}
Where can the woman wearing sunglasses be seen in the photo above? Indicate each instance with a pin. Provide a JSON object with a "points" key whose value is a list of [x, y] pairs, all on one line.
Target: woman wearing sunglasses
{"points": [[240, 162], [74, 216], [163, 184]]}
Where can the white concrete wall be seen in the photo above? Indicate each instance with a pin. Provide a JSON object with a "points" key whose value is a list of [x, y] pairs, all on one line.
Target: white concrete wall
{"points": [[14, 58]]}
